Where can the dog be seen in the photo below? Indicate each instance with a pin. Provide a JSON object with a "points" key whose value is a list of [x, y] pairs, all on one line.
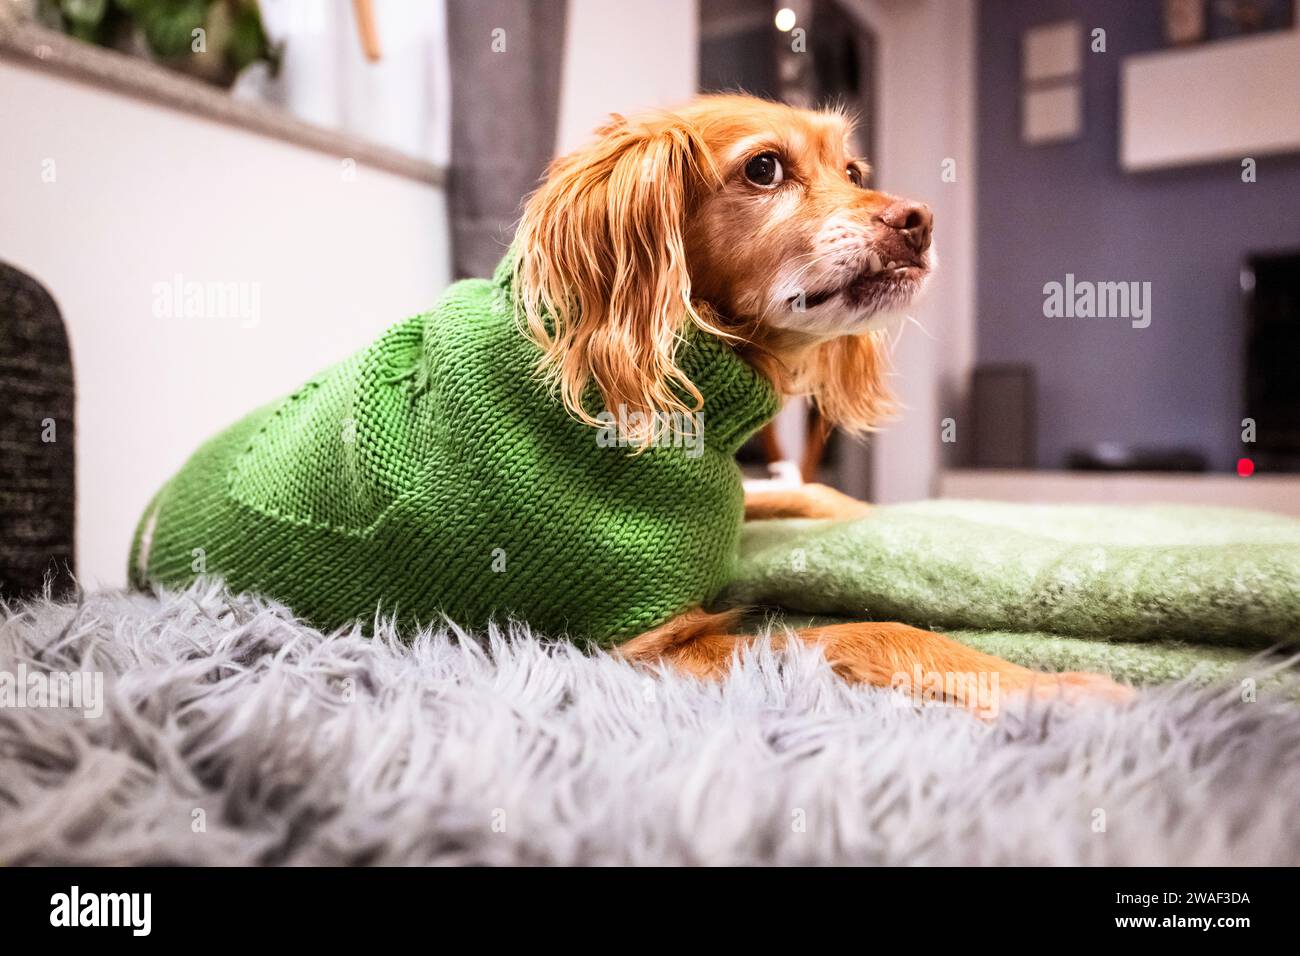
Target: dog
{"points": [[760, 228], [668, 284]]}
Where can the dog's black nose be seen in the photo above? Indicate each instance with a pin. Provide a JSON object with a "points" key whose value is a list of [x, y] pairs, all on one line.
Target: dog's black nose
{"points": [[913, 219]]}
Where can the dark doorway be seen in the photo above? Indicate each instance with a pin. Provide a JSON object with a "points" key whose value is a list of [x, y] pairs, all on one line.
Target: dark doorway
{"points": [[828, 59]]}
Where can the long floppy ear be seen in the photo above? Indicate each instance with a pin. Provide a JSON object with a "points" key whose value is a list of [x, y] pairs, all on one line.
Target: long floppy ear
{"points": [[847, 378], [601, 274]]}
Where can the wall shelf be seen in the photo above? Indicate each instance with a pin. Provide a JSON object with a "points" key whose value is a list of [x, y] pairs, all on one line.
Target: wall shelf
{"points": [[1228, 99], [40, 48]]}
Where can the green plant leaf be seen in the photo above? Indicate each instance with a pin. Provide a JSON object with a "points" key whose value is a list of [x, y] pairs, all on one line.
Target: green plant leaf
{"points": [[247, 40], [84, 13], [169, 24]]}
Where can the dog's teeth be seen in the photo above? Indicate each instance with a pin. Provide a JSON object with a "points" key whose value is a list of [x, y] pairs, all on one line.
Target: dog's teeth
{"points": [[873, 262], [891, 264]]}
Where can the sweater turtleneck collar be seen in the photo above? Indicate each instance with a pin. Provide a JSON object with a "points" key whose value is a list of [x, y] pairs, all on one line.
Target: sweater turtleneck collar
{"points": [[738, 400]]}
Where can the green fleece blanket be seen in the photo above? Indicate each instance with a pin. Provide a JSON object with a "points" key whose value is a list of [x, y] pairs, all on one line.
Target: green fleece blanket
{"points": [[1146, 594]]}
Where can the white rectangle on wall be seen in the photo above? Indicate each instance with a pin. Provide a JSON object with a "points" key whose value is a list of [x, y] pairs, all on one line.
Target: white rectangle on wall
{"points": [[1051, 115], [1050, 52], [1230, 99]]}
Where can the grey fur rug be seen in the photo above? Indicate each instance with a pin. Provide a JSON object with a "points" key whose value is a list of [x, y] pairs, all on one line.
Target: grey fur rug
{"points": [[231, 734]]}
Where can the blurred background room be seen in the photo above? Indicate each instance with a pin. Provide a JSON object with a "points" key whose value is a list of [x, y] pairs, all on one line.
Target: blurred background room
{"points": [[205, 202]]}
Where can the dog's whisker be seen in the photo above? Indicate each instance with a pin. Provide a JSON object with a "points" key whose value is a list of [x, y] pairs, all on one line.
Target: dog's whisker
{"points": [[924, 330]]}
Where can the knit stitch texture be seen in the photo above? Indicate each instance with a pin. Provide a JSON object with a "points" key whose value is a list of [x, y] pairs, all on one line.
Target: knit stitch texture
{"points": [[431, 474]]}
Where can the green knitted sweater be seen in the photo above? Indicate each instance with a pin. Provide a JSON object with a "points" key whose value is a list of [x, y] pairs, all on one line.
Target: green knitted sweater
{"points": [[431, 474]]}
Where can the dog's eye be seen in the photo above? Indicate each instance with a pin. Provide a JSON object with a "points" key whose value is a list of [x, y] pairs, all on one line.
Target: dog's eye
{"points": [[764, 170], [855, 175]]}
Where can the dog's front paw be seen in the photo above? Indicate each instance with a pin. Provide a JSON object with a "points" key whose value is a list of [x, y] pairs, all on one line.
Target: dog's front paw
{"points": [[802, 501], [1071, 685], [825, 502]]}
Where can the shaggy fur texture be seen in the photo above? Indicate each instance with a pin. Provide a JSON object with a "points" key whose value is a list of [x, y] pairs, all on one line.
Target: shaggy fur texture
{"points": [[234, 735]]}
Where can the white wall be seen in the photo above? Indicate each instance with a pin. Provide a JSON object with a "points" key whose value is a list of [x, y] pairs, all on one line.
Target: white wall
{"points": [[141, 194], [620, 57], [926, 96]]}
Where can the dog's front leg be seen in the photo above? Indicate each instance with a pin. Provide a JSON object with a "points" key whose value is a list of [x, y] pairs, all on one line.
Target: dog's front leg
{"points": [[802, 501], [921, 663]]}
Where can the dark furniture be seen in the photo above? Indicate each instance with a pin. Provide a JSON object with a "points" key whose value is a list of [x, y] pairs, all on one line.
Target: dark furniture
{"points": [[1271, 284], [37, 463]]}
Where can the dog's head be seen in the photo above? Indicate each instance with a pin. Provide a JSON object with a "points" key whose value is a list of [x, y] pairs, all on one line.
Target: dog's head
{"points": [[749, 219]]}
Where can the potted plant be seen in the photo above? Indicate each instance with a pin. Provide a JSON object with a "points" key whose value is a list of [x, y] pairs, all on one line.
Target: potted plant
{"points": [[210, 39]]}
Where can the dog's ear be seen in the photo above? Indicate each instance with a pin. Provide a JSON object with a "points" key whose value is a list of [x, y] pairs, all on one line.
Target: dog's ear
{"points": [[848, 379], [600, 270]]}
